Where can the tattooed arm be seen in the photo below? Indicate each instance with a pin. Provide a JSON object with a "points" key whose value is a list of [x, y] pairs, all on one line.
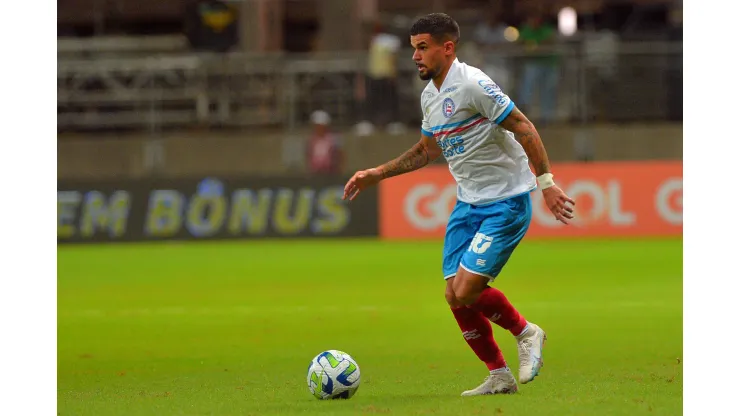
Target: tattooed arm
{"points": [[526, 134], [491, 102], [423, 152], [488, 98]]}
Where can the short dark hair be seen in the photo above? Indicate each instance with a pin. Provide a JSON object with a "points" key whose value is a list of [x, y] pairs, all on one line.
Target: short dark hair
{"points": [[439, 25]]}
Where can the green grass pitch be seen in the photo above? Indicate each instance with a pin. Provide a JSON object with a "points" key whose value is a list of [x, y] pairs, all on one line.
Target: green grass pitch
{"points": [[229, 328]]}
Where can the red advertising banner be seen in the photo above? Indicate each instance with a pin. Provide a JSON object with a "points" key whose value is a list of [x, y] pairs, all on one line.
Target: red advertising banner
{"points": [[612, 199]]}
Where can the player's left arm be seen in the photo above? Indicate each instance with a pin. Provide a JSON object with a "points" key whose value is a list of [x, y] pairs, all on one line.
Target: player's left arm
{"points": [[488, 98], [526, 134]]}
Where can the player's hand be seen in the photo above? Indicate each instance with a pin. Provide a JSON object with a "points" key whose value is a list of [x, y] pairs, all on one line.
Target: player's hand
{"points": [[360, 181], [557, 201]]}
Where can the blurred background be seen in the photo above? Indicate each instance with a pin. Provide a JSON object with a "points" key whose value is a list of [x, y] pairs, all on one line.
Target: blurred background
{"points": [[192, 87]]}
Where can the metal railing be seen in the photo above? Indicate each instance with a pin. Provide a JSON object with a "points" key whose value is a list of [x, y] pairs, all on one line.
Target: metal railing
{"points": [[638, 81]]}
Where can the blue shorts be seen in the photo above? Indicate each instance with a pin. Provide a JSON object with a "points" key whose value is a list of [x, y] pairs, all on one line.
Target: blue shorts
{"points": [[480, 239]]}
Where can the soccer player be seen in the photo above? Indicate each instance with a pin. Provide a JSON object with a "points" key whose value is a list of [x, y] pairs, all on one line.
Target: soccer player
{"points": [[488, 144]]}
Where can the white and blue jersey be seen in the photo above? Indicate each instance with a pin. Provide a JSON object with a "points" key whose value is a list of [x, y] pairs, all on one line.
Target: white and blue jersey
{"points": [[487, 162], [490, 167]]}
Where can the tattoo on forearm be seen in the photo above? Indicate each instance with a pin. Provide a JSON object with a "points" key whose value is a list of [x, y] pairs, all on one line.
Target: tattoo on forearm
{"points": [[526, 134], [414, 158], [532, 144]]}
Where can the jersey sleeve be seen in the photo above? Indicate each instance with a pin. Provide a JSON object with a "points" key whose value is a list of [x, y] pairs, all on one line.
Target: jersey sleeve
{"points": [[426, 128], [488, 99]]}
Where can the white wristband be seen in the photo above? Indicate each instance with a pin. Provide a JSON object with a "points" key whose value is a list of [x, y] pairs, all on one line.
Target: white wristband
{"points": [[545, 181]]}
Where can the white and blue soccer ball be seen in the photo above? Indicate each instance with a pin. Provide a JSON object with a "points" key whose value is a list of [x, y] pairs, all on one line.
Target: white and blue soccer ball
{"points": [[333, 374]]}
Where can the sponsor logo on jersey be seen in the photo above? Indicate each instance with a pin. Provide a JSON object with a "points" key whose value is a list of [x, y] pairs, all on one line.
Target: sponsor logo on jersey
{"points": [[493, 91], [452, 146]]}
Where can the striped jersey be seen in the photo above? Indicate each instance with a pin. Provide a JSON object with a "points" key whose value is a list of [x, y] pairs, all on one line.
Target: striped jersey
{"points": [[463, 117]]}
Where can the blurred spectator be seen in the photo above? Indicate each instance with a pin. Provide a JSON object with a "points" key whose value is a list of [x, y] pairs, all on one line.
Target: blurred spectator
{"points": [[324, 156], [601, 59], [489, 34], [382, 102], [211, 25], [541, 68]]}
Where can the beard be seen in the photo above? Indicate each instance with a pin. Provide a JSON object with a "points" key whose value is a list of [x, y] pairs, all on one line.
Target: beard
{"points": [[428, 74]]}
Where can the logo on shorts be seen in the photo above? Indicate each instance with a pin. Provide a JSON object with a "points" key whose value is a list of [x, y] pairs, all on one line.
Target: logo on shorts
{"points": [[480, 243], [448, 107]]}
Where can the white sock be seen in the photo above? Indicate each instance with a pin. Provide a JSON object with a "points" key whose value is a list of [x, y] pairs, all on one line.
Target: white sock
{"points": [[500, 370], [524, 331]]}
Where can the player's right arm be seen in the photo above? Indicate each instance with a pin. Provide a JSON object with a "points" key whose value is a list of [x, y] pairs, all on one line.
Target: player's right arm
{"points": [[423, 152]]}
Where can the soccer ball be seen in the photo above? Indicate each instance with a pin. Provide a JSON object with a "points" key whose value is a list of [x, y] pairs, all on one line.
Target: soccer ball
{"points": [[333, 375]]}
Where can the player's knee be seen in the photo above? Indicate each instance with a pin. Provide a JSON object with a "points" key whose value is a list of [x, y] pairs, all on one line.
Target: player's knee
{"points": [[451, 299], [467, 296], [466, 293], [468, 287], [450, 294]]}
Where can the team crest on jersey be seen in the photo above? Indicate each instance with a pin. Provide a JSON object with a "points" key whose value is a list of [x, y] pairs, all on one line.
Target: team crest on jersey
{"points": [[448, 107]]}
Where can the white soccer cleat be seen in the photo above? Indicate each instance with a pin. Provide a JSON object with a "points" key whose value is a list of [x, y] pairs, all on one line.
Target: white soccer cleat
{"points": [[500, 381], [530, 345]]}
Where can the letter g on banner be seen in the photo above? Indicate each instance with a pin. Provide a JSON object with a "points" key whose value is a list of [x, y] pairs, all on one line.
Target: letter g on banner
{"points": [[669, 201], [427, 207]]}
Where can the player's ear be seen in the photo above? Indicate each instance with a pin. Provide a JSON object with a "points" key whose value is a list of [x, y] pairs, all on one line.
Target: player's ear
{"points": [[449, 47]]}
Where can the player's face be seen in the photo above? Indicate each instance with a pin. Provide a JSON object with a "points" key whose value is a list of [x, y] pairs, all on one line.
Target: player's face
{"points": [[429, 55]]}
